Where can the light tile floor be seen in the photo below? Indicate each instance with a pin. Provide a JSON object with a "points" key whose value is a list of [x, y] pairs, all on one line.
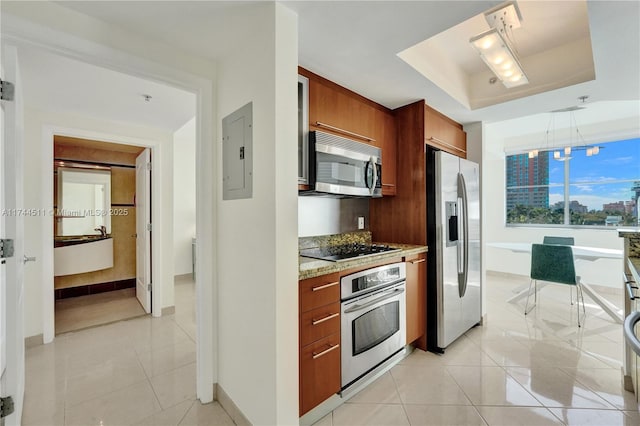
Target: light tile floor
{"points": [[76, 313], [514, 370], [140, 371]]}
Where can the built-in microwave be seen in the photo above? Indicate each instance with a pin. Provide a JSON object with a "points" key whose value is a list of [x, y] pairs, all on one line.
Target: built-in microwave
{"points": [[343, 167]]}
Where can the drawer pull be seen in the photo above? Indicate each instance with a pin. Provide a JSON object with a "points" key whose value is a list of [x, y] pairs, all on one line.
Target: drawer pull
{"points": [[317, 355], [440, 141], [327, 318], [414, 262], [322, 287], [346, 132], [388, 184]]}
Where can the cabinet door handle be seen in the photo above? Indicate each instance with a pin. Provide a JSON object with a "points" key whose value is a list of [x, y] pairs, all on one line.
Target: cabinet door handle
{"points": [[346, 132], [440, 141], [327, 318], [388, 184], [317, 355], [322, 287], [414, 262]]}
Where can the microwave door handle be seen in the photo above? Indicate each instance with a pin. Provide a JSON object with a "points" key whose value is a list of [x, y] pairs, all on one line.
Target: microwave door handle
{"points": [[375, 176], [356, 308], [366, 175]]}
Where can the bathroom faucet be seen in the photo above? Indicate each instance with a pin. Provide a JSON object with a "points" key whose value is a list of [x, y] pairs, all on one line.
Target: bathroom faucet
{"points": [[103, 230]]}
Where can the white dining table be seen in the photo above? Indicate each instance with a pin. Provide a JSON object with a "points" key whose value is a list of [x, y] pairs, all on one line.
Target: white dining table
{"points": [[579, 253]]}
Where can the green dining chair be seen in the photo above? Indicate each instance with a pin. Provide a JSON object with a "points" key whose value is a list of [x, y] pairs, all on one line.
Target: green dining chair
{"points": [[553, 263], [565, 241]]}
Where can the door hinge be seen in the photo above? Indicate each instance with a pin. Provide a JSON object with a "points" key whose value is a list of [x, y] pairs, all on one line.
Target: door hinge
{"points": [[149, 287], [149, 227], [7, 90], [6, 248], [6, 406], [149, 165]]}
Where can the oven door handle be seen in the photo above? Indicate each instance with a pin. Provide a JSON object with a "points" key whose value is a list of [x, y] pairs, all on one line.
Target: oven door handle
{"points": [[375, 301]]}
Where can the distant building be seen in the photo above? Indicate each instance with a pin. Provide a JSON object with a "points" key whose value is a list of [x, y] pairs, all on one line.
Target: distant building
{"points": [[574, 206], [614, 207], [621, 206], [523, 171]]}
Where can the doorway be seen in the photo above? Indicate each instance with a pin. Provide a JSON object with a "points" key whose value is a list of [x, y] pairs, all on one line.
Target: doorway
{"points": [[101, 261], [43, 130]]}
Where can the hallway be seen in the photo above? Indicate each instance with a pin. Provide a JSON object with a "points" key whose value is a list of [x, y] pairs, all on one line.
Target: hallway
{"points": [[140, 371]]}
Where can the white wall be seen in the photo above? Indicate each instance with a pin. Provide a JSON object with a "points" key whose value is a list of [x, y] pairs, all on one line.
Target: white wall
{"points": [[597, 124], [37, 196], [184, 196], [257, 260]]}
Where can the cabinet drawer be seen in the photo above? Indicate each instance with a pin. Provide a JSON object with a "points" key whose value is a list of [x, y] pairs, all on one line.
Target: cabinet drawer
{"points": [[319, 372], [319, 323], [319, 291]]}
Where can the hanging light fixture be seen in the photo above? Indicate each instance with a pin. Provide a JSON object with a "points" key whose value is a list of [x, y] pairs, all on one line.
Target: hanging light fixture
{"points": [[496, 53], [576, 140], [494, 48]]}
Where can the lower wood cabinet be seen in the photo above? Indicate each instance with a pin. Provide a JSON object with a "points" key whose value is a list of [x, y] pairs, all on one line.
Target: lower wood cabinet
{"points": [[319, 325], [319, 371], [417, 300]]}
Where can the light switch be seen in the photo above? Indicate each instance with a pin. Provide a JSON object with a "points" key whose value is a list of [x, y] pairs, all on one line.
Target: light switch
{"points": [[360, 222]]}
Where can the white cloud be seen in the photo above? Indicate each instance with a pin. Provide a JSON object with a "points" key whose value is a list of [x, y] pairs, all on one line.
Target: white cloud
{"points": [[585, 188]]}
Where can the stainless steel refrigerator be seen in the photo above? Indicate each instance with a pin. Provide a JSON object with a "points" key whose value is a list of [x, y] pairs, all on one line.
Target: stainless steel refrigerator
{"points": [[454, 285]]}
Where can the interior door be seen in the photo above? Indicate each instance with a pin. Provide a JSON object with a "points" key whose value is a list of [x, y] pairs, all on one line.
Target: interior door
{"points": [[12, 227], [143, 229]]}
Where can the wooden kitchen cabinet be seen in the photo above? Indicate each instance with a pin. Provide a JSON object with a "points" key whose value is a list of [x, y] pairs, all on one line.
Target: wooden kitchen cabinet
{"points": [[444, 133], [319, 340], [337, 110], [417, 300], [386, 135], [319, 372], [404, 217]]}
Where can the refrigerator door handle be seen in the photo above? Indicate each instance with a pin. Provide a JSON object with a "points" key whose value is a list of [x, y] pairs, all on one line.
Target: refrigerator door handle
{"points": [[463, 274], [460, 239]]}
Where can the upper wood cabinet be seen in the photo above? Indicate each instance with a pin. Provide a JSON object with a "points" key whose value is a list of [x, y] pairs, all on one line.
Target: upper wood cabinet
{"points": [[444, 133], [337, 110], [386, 135], [404, 217]]}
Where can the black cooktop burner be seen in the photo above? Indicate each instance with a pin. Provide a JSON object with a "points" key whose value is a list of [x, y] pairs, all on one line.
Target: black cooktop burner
{"points": [[346, 251]]}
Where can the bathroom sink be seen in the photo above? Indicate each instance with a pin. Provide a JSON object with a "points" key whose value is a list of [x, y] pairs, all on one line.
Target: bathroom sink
{"points": [[73, 240]]}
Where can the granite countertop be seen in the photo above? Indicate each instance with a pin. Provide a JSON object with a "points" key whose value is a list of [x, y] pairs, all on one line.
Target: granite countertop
{"points": [[629, 232], [310, 268]]}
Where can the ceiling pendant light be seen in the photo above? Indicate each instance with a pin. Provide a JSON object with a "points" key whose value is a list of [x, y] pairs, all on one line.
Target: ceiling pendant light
{"points": [[495, 50]]}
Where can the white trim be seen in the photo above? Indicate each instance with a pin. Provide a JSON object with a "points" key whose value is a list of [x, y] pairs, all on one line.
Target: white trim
{"points": [[206, 171]]}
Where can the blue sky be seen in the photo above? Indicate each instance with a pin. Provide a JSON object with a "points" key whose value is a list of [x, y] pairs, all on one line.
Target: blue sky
{"points": [[594, 178]]}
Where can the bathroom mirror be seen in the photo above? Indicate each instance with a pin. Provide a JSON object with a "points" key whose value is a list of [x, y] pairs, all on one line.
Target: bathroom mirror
{"points": [[84, 201]]}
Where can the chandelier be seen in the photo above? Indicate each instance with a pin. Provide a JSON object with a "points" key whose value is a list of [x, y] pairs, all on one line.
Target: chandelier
{"points": [[575, 142]]}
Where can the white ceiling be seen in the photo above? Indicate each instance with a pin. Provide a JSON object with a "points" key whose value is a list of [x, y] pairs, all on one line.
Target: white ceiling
{"points": [[77, 87], [355, 43], [552, 44]]}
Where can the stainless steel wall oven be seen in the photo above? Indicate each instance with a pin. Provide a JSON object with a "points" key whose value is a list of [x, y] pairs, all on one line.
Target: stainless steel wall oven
{"points": [[373, 313]]}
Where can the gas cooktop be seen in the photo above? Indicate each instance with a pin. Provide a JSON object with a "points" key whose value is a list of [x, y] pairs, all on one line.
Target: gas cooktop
{"points": [[346, 251]]}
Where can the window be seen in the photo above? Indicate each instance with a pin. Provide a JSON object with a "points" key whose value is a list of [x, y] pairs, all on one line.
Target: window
{"points": [[601, 190]]}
